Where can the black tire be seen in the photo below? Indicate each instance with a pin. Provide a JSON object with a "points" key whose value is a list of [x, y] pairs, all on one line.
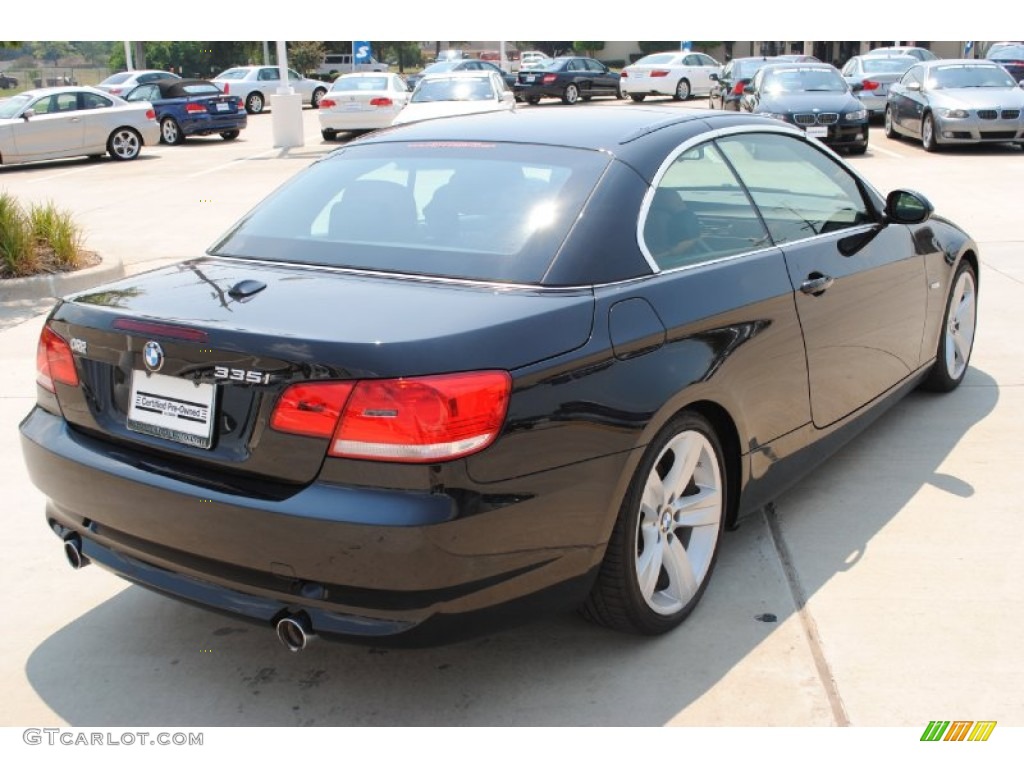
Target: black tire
{"points": [[229, 135], [928, 140], [683, 90], [571, 94], [124, 144], [638, 589], [890, 128], [255, 103], [533, 100], [328, 134], [170, 132], [956, 338], [638, 97], [859, 150], [318, 93]]}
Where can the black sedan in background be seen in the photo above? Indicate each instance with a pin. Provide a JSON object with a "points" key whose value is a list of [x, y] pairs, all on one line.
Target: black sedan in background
{"points": [[736, 75], [387, 404], [1010, 56], [815, 98], [191, 108], [569, 78]]}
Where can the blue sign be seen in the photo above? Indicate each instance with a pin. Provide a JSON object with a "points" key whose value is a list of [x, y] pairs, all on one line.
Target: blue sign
{"points": [[685, 45], [361, 53]]}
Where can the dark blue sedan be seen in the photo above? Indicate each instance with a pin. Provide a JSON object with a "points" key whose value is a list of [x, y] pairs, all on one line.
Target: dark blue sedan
{"points": [[191, 108], [467, 370]]}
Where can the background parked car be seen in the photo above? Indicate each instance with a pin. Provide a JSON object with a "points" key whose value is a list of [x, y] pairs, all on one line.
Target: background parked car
{"points": [[727, 90], [679, 74], [361, 101], [255, 85], [191, 108], [444, 94], [50, 123], [569, 78], [874, 74], [120, 83], [342, 64], [534, 60], [956, 101], [8, 81], [461, 65], [921, 54], [1010, 56], [815, 98]]}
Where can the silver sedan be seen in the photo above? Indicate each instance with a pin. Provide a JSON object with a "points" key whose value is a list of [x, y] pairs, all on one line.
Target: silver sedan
{"points": [[256, 85], [956, 101], [52, 123], [871, 76]]}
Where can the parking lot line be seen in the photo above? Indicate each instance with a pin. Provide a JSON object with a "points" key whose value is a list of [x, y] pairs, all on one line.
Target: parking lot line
{"points": [[888, 152], [53, 176]]}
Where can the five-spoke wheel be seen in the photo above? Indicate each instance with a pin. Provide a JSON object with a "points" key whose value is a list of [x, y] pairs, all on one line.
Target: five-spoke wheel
{"points": [[124, 144]]}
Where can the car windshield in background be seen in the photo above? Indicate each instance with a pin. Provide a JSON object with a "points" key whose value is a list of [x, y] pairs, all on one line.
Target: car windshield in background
{"points": [[120, 77], [12, 106], [454, 89], [800, 80], [745, 69], [470, 210], [1006, 52], [888, 65], [969, 76], [232, 74], [360, 84]]}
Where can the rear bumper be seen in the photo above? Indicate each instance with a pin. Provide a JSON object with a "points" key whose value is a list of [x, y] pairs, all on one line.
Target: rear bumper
{"points": [[360, 562], [204, 124]]}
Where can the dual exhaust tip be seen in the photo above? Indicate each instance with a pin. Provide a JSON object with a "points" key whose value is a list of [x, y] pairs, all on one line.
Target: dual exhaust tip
{"points": [[295, 631]]}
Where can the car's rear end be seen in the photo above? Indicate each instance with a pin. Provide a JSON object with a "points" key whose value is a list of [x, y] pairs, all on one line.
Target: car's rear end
{"points": [[205, 109], [334, 450], [1010, 57], [359, 102], [878, 74], [742, 72], [654, 75]]}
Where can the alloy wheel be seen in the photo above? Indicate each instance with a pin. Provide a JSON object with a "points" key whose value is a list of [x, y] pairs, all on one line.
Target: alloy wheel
{"points": [[960, 325]]}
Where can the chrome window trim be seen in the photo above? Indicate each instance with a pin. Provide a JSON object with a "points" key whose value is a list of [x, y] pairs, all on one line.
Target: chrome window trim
{"points": [[704, 138]]}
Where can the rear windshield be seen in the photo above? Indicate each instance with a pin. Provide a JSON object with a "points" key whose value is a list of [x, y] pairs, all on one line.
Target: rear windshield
{"points": [[893, 65], [198, 89], [656, 58], [454, 89], [232, 74], [1006, 52], [360, 84], [473, 210], [120, 77]]}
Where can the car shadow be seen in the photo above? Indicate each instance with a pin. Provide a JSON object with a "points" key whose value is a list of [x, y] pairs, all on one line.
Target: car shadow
{"points": [[140, 658]]}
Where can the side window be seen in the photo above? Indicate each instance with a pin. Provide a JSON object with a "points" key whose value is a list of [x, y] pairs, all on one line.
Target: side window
{"points": [[773, 167], [268, 73], [45, 105], [699, 212], [95, 101], [65, 102], [707, 61], [692, 61], [142, 93], [914, 75], [293, 75], [594, 65]]}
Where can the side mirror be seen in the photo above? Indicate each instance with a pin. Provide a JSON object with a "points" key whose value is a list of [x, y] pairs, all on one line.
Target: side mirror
{"points": [[27, 114], [713, 77], [904, 206]]}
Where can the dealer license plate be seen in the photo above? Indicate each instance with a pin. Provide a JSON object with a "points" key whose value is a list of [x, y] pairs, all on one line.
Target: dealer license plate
{"points": [[172, 408], [222, 107], [821, 131]]}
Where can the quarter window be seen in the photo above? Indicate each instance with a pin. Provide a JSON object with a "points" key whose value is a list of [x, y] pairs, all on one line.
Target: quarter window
{"points": [[800, 191], [699, 212]]}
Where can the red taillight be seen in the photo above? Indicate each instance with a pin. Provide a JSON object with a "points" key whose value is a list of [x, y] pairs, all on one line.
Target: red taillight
{"points": [[381, 101], [116, 91], [738, 88], [660, 73], [54, 361], [150, 114], [193, 109], [547, 79], [423, 419], [870, 85], [328, 103], [226, 87], [624, 73], [311, 409]]}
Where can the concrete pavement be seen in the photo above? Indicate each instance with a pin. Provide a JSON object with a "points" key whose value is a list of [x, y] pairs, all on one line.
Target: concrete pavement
{"points": [[895, 572]]}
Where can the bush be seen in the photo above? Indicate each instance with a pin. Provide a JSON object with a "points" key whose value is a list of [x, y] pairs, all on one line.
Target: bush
{"points": [[614, 63], [42, 240]]}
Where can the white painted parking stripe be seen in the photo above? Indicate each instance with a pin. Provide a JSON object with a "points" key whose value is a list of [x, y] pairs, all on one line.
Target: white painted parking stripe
{"points": [[61, 175], [887, 152], [222, 166]]}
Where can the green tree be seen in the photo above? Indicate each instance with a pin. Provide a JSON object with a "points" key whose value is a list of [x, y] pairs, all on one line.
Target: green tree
{"points": [[305, 56], [94, 52], [52, 51], [588, 49]]}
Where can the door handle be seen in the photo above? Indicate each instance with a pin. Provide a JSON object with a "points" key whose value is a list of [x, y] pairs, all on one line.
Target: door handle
{"points": [[817, 283]]}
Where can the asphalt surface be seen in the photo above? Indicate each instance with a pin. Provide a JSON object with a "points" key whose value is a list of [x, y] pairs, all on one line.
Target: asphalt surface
{"points": [[894, 574]]}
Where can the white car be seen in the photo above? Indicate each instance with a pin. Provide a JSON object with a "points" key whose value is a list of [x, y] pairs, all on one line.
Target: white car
{"points": [[68, 121], [362, 101], [120, 83], [534, 60], [457, 93], [256, 85], [679, 74]]}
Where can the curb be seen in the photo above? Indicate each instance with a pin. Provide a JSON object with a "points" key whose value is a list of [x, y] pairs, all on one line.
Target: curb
{"points": [[60, 283]]}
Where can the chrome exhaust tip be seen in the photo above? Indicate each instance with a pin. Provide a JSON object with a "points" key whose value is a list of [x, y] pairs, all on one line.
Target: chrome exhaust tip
{"points": [[73, 552], [295, 632]]}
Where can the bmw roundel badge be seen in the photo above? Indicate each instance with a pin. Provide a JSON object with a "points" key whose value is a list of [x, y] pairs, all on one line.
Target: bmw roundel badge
{"points": [[153, 356]]}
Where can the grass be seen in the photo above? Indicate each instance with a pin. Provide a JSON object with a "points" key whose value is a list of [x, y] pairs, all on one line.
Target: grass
{"points": [[41, 240]]}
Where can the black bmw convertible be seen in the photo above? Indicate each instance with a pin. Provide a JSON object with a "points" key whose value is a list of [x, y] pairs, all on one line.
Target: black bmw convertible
{"points": [[466, 370]]}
